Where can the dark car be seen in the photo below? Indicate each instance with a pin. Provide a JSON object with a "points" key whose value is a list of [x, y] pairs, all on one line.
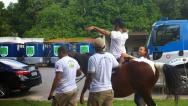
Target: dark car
{"points": [[17, 76]]}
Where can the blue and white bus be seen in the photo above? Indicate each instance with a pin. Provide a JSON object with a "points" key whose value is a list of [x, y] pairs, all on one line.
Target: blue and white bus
{"points": [[168, 43]]}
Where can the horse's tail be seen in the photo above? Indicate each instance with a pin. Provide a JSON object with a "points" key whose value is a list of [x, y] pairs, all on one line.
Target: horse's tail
{"points": [[172, 79]]}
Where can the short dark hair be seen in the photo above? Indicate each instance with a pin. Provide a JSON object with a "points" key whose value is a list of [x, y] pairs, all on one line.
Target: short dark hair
{"points": [[118, 22], [63, 50]]}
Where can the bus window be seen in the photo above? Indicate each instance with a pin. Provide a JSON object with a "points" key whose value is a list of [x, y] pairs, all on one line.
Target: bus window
{"points": [[165, 34]]}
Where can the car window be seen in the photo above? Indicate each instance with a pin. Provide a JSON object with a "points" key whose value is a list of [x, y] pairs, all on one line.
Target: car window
{"points": [[13, 63]]}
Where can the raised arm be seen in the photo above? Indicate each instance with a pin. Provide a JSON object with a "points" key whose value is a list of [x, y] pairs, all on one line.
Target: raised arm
{"points": [[99, 30]]}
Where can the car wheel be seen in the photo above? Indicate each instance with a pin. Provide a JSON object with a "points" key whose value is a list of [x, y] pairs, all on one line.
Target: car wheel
{"points": [[4, 91]]}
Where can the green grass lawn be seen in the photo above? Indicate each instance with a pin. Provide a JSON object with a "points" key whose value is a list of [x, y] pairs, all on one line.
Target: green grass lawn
{"points": [[116, 103]]}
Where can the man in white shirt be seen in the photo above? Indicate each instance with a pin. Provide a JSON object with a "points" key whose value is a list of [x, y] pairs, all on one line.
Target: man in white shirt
{"points": [[99, 76], [64, 83], [118, 38]]}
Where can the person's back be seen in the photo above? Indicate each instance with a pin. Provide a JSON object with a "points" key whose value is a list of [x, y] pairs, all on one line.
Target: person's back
{"points": [[99, 76], [64, 84], [100, 65], [117, 45], [69, 67]]}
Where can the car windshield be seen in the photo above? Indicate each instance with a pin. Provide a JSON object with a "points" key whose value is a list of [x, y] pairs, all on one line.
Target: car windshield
{"points": [[13, 63]]}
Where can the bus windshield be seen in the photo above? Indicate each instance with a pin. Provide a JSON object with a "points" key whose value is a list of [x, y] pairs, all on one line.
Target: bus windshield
{"points": [[165, 34]]}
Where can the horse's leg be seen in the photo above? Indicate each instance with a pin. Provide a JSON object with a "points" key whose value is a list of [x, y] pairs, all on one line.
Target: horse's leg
{"points": [[147, 98], [139, 100], [136, 99]]}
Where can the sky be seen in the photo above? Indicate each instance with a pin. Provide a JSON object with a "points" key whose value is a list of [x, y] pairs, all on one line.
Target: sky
{"points": [[6, 2]]}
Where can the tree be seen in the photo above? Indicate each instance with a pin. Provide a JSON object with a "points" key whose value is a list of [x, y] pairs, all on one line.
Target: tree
{"points": [[173, 9], [184, 9], [22, 15], [5, 28], [67, 18], [138, 14]]}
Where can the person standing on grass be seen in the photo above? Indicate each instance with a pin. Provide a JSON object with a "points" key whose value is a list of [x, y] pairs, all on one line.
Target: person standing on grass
{"points": [[98, 78], [118, 38], [64, 83]]}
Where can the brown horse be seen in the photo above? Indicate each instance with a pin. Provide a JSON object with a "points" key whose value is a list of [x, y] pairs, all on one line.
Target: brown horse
{"points": [[132, 77], [135, 77]]}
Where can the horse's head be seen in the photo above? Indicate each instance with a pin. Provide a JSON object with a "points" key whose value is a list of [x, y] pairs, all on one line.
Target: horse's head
{"points": [[82, 60]]}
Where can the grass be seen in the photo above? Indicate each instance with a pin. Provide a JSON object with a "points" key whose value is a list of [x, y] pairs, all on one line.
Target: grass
{"points": [[116, 103]]}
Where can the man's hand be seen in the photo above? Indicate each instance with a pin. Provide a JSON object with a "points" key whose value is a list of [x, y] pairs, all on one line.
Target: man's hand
{"points": [[89, 28]]}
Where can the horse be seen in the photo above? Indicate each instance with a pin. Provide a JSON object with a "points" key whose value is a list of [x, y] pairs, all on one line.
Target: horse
{"points": [[132, 77]]}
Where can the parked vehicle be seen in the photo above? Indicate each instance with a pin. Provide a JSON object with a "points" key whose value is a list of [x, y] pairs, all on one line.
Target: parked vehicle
{"points": [[168, 44], [11, 50], [85, 47], [15, 75], [35, 53]]}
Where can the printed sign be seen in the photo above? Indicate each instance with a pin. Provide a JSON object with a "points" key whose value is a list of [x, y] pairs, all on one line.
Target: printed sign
{"points": [[30, 51], [4, 51], [56, 50], [84, 49]]}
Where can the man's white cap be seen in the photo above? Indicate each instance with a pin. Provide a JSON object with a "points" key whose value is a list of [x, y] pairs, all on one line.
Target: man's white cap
{"points": [[99, 42]]}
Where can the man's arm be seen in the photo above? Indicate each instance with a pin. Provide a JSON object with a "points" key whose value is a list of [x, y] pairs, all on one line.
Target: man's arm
{"points": [[55, 83], [99, 30], [86, 86]]}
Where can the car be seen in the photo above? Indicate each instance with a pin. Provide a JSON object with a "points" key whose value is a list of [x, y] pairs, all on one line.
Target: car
{"points": [[17, 76]]}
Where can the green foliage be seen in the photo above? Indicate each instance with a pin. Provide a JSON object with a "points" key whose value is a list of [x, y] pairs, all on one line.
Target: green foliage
{"points": [[67, 18], [174, 9], [5, 28], [55, 21], [22, 15]]}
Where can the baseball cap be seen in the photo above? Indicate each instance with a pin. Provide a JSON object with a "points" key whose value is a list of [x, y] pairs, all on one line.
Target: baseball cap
{"points": [[99, 42]]}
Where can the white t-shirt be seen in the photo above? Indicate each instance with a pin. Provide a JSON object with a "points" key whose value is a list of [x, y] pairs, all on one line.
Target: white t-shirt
{"points": [[117, 46], [100, 66], [68, 68]]}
